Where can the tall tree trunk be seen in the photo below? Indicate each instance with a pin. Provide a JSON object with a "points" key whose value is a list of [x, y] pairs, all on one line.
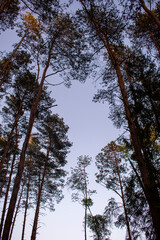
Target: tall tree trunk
{"points": [[123, 200], [150, 186], [36, 216], [12, 54], [15, 215], [6, 195], [86, 197], [26, 205], [85, 223], [23, 152]]}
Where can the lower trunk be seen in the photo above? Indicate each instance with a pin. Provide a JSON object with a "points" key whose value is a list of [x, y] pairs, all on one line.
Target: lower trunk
{"points": [[26, 206], [15, 215], [35, 224], [85, 223], [123, 201], [6, 196]]}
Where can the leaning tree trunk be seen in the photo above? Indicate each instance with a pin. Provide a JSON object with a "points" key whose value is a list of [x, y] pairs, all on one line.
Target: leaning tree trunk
{"points": [[18, 177], [16, 213], [123, 200], [150, 186], [35, 224], [6, 195], [26, 205]]}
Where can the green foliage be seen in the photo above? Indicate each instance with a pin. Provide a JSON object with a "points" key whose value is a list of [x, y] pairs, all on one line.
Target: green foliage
{"points": [[98, 224]]}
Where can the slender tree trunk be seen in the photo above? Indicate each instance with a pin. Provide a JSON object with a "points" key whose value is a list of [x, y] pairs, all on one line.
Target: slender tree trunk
{"points": [[150, 187], [86, 206], [12, 54], [23, 152], [35, 224], [151, 191], [85, 223], [6, 195], [16, 213], [137, 175], [123, 201], [26, 205], [10, 137], [150, 13]]}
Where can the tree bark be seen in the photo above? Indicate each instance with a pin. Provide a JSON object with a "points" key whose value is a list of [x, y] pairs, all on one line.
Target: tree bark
{"points": [[123, 200], [85, 214], [6, 195], [150, 187], [26, 205], [15, 215], [35, 224]]}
